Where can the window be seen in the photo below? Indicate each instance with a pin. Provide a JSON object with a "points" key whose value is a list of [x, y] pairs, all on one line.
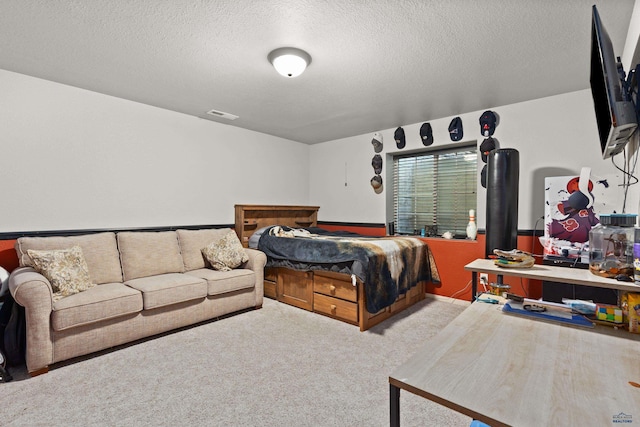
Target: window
{"points": [[435, 189]]}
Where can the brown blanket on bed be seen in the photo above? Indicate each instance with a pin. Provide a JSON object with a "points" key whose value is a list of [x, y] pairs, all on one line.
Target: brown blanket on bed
{"points": [[388, 266]]}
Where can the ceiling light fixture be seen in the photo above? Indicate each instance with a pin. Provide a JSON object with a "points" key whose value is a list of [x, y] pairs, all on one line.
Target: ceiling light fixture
{"points": [[289, 61]]}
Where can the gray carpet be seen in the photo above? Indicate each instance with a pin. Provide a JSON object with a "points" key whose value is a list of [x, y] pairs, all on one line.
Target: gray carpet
{"points": [[277, 366]]}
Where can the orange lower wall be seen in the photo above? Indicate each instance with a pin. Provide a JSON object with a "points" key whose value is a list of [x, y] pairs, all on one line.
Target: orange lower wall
{"points": [[8, 257], [450, 255]]}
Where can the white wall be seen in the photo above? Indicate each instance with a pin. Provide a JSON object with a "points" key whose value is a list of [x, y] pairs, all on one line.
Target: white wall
{"points": [[555, 136], [75, 159], [631, 52]]}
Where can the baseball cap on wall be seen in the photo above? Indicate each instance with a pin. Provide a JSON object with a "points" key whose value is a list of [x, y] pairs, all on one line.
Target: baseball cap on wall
{"points": [[426, 134], [376, 162], [377, 142], [488, 121], [399, 137], [487, 145], [483, 176], [376, 182], [455, 129]]}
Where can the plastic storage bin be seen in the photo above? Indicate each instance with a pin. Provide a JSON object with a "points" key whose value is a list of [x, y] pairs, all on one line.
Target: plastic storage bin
{"points": [[611, 246]]}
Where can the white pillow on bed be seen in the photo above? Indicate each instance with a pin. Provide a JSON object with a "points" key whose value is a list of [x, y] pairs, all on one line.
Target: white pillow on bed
{"points": [[253, 240]]}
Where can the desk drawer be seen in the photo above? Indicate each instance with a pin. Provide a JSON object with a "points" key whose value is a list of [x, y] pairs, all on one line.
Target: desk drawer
{"points": [[335, 288], [334, 307]]}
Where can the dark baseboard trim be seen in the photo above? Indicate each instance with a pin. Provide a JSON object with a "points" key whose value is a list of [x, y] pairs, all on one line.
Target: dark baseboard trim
{"points": [[13, 235], [520, 232], [530, 232], [47, 233], [352, 224]]}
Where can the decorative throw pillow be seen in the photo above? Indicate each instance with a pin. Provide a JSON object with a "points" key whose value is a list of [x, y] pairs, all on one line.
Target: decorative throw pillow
{"points": [[226, 253], [66, 270]]}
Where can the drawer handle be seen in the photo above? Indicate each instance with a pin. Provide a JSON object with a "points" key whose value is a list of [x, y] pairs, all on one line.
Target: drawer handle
{"points": [[332, 288], [333, 307]]}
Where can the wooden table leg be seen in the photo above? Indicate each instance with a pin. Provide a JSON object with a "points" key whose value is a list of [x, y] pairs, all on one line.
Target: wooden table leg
{"points": [[394, 405]]}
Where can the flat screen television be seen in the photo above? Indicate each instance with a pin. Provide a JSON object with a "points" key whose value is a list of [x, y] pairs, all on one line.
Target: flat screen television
{"points": [[615, 115]]}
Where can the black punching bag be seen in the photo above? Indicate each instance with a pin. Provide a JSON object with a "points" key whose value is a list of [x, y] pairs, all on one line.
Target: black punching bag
{"points": [[503, 170]]}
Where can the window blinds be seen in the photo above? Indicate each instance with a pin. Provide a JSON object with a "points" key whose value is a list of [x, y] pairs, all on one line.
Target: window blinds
{"points": [[435, 188]]}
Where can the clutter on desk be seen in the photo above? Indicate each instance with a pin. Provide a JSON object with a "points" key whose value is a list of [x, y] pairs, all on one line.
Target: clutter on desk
{"points": [[515, 297], [630, 306], [636, 256], [609, 313], [626, 315], [489, 298], [547, 311], [588, 308], [514, 258], [499, 288], [534, 307], [578, 312], [611, 247]]}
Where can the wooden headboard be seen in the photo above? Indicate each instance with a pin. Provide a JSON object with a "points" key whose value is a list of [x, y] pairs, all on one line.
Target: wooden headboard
{"points": [[249, 218]]}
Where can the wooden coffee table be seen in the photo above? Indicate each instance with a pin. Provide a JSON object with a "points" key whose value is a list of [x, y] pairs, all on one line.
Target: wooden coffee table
{"points": [[506, 370]]}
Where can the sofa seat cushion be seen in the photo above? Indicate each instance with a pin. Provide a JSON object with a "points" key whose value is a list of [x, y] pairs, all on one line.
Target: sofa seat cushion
{"points": [[101, 302], [166, 289], [220, 282], [100, 251]]}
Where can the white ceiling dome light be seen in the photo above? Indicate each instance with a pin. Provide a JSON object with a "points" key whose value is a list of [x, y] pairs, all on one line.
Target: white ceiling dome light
{"points": [[289, 61]]}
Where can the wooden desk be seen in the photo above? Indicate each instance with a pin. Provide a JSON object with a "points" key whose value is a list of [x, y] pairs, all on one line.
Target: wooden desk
{"points": [[506, 370], [552, 273]]}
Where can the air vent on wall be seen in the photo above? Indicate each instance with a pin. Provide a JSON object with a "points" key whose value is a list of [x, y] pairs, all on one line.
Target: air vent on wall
{"points": [[222, 114]]}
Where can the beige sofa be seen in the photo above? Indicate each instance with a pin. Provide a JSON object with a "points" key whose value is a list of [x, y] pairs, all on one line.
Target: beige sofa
{"points": [[146, 283]]}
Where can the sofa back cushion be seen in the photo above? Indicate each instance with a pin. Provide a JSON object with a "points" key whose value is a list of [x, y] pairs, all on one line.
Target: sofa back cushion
{"points": [[148, 253], [100, 252], [193, 241]]}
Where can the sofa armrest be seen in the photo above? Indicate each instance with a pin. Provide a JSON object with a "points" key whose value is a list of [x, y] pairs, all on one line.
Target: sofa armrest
{"points": [[33, 291], [257, 261]]}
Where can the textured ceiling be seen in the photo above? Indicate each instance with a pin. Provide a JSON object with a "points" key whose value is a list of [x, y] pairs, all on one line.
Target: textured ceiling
{"points": [[376, 64]]}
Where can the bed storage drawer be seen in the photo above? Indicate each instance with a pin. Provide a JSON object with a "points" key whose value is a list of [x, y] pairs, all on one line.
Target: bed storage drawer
{"points": [[270, 279], [335, 307], [270, 274], [270, 289], [326, 285], [295, 288]]}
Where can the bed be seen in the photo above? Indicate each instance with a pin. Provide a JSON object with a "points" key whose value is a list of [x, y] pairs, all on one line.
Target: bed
{"points": [[353, 278]]}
